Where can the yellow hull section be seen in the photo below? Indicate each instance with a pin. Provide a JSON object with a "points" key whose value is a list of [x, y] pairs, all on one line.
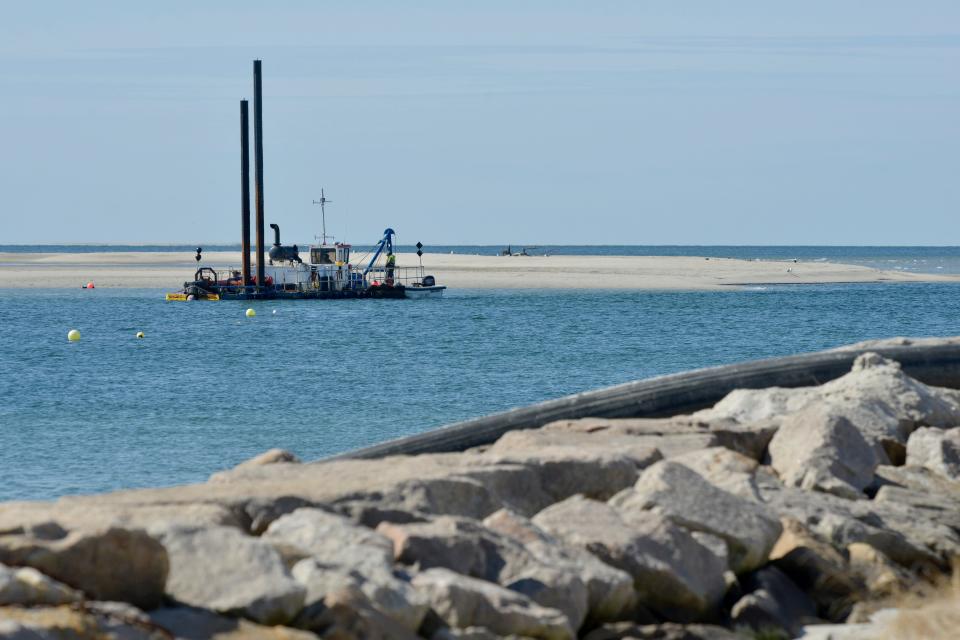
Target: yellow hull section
{"points": [[182, 297]]}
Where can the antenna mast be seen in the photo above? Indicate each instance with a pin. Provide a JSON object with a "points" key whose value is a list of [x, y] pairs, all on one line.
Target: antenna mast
{"points": [[323, 216]]}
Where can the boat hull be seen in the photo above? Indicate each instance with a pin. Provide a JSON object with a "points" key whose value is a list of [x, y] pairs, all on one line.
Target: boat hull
{"points": [[277, 293], [417, 293]]}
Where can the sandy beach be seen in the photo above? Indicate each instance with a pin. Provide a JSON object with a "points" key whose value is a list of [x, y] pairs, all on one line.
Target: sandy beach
{"points": [[169, 270]]}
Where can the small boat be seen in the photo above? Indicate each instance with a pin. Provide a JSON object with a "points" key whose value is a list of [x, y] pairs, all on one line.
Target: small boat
{"points": [[426, 288], [328, 272]]}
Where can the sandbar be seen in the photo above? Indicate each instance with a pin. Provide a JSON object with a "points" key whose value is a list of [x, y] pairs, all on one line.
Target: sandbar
{"points": [[168, 270]]}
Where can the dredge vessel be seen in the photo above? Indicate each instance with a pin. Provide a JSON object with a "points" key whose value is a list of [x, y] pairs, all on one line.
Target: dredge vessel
{"points": [[328, 272]]}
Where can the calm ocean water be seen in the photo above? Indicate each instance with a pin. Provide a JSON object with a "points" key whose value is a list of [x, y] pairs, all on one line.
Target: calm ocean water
{"points": [[208, 388]]}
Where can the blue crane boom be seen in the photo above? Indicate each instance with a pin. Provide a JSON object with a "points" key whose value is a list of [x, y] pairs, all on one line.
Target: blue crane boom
{"points": [[385, 242]]}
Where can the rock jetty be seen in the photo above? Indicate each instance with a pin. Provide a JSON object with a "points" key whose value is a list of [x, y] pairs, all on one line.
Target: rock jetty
{"points": [[775, 513]]}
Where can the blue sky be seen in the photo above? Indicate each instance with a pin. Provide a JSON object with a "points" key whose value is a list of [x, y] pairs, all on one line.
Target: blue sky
{"points": [[486, 123]]}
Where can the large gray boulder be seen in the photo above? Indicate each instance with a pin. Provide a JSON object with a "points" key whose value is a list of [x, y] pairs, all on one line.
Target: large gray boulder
{"points": [[915, 503], [907, 535], [937, 450], [912, 497], [725, 469], [27, 586], [930, 522], [107, 564], [347, 614], [435, 484], [750, 406], [222, 569], [610, 594], [881, 401], [469, 548], [369, 594], [463, 602], [676, 492], [323, 535], [894, 504], [921, 505], [458, 544], [671, 436], [337, 554], [818, 449], [673, 573], [918, 479], [571, 463]]}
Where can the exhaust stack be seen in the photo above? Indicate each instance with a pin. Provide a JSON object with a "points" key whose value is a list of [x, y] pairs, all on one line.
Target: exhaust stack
{"points": [[258, 166], [279, 252], [245, 192]]}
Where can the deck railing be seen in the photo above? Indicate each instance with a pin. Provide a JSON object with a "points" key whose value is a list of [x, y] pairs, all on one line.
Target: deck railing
{"points": [[407, 276], [230, 281]]}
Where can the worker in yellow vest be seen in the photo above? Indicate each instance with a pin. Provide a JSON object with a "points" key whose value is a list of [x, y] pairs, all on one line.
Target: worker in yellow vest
{"points": [[391, 263]]}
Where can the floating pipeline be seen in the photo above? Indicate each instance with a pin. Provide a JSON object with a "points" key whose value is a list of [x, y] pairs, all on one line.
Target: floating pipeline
{"points": [[934, 361]]}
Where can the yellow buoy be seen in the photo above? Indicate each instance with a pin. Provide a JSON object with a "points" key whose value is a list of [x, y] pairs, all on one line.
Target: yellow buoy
{"points": [[73, 335], [139, 334], [251, 313]]}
